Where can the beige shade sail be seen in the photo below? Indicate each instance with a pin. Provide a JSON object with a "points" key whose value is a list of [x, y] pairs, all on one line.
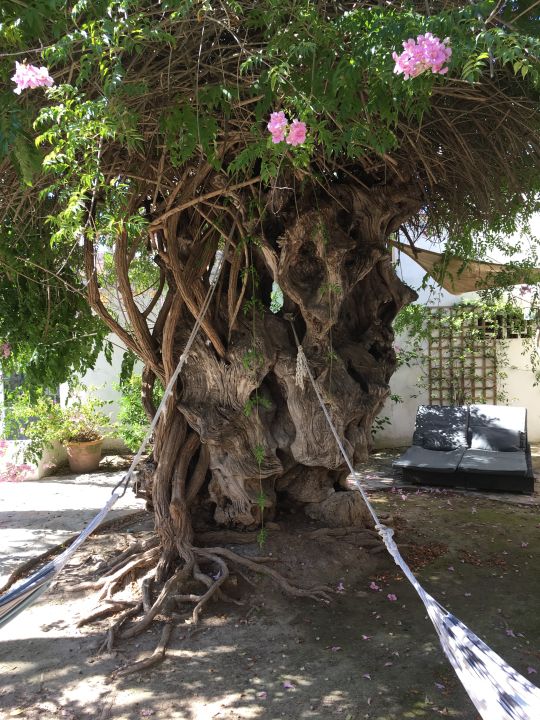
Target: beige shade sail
{"points": [[456, 277]]}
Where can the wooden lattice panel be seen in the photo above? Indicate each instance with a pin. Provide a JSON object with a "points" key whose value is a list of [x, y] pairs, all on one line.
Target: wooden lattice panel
{"points": [[462, 358]]}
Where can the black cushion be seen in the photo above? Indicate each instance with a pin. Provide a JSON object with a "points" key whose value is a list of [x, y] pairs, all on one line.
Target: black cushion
{"points": [[441, 427], [489, 461], [438, 440], [496, 438], [417, 458]]}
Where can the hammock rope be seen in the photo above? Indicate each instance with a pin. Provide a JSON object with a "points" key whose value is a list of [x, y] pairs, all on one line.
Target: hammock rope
{"points": [[24, 594], [497, 690]]}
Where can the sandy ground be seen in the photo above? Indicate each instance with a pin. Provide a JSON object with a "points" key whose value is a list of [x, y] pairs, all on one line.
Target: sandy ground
{"points": [[37, 515], [361, 656]]}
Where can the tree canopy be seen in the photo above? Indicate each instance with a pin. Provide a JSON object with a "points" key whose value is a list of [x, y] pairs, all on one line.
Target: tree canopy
{"points": [[156, 101], [296, 136]]}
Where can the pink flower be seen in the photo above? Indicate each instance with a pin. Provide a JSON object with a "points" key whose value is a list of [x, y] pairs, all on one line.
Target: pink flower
{"points": [[374, 586], [531, 670], [392, 597], [427, 52], [297, 133], [340, 587], [5, 349], [30, 76], [277, 126], [288, 685]]}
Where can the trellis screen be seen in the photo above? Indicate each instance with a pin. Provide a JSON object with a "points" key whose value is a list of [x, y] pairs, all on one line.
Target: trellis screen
{"points": [[462, 353]]}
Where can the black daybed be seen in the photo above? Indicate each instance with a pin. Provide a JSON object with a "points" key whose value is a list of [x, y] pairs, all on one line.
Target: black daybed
{"points": [[476, 446]]}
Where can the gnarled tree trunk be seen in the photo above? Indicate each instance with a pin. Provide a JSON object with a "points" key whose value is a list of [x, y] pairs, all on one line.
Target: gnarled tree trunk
{"points": [[253, 435], [240, 433]]}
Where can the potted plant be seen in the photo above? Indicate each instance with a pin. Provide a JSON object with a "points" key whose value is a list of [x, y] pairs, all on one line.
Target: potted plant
{"points": [[80, 426], [81, 432]]}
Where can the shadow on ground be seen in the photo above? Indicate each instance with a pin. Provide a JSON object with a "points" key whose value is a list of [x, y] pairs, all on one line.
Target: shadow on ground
{"points": [[363, 656]]}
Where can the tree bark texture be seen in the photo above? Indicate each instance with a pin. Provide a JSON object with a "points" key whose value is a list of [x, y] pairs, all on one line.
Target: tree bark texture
{"points": [[239, 430]]}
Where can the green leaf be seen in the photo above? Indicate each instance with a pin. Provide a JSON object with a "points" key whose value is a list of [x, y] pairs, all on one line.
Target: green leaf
{"points": [[28, 158], [276, 298]]}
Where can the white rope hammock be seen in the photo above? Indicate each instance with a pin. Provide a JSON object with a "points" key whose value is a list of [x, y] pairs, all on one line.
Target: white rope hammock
{"points": [[497, 690], [16, 600]]}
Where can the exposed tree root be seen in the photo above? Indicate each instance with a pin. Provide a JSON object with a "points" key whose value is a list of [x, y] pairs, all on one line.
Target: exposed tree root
{"points": [[120, 560], [159, 653], [156, 657], [320, 593], [142, 561], [342, 532], [164, 596], [110, 638], [176, 594], [115, 606], [25, 568]]}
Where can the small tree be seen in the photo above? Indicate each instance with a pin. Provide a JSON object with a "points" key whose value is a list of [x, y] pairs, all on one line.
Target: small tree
{"points": [[154, 149]]}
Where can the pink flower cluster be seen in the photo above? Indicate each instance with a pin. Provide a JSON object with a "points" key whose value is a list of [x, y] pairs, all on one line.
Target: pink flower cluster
{"points": [[30, 76], [5, 349], [427, 52], [278, 127], [9, 472]]}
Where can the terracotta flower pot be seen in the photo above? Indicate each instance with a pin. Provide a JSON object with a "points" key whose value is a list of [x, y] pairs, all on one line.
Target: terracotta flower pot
{"points": [[84, 457]]}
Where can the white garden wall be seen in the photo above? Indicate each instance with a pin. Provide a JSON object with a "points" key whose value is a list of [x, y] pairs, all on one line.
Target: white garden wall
{"points": [[518, 387]]}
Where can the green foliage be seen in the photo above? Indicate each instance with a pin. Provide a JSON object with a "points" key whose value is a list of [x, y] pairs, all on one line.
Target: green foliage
{"points": [[185, 130], [45, 316], [132, 422], [276, 298], [331, 69], [140, 91], [44, 422], [252, 359], [258, 453], [255, 306], [262, 537], [256, 401], [379, 423], [465, 328], [330, 289]]}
